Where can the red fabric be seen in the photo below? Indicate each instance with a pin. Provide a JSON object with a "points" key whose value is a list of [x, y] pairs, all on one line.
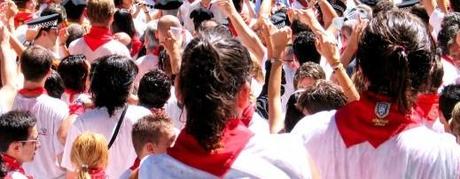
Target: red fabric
{"points": [[97, 173], [232, 29], [76, 109], [156, 51], [71, 93], [427, 106], [32, 92], [136, 45], [247, 114], [22, 17], [355, 121], [135, 165], [449, 59], [217, 162], [97, 37], [12, 165]]}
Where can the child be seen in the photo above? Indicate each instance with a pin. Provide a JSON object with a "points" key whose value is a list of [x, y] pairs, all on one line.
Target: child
{"points": [[90, 155]]}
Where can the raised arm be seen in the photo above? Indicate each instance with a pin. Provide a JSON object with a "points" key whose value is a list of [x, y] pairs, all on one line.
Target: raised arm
{"points": [[8, 69], [327, 47], [328, 12], [247, 36], [277, 41]]}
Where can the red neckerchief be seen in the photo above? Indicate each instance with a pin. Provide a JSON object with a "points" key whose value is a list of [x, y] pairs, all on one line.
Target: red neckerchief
{"points": [[135, 165], [247, 114], [97, 37], [32, 92], [22, 17], [217, 162], [356, 121], [136, 45], [12, 165], [449, 59], [232, 29], [156, 51], [71, 93], [97, 173], [427, 106]]}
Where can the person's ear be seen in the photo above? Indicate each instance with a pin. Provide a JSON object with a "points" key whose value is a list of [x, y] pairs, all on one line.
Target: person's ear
{"points": [[149, 147]]}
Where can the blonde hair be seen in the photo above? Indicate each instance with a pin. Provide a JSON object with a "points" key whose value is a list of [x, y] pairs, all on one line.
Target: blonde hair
{"points": [[454, 123], [100, 11], [89, 150]]}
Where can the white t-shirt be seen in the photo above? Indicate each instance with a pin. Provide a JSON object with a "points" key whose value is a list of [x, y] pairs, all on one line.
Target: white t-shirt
{"points": [[122, 153], [451, 74], [145, 64], [264, 156], [414, 153], [15, 175], [49, 113], [289, 74], [435, 21], [112, 47], [184, 15]]}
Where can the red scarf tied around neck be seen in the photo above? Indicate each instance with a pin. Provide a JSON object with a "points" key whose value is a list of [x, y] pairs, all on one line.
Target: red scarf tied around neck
{"points": [[97, 173], [97, 37], [12, 165], [427, 106], [373, 119], [235, 136]]}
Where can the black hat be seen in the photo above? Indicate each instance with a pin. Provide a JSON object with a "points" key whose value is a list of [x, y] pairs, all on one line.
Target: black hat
{"points": [[45, 21], [201, 14], [280, 18], [75, 2], [407, 4], [338, 6], [168, 4]]}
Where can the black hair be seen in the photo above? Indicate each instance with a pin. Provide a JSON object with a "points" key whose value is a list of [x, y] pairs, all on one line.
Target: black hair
{"points": [[396, 54], [200, 15], [15, 126], [298, 27], [74, 12], [455, 5], [293, 114], [382, 7], [450, 96], [74, 71], [123, 22], [211, 85], [419, 11], [154, 89], [238, 5], [55, 9], [54, 85], [305, 49], [111, 81], [450, 26], [35, 63]]}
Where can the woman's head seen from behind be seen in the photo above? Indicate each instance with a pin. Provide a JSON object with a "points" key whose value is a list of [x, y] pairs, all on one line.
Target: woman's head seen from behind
{"points": [[395, 54], [214, 77], [89, 152]]}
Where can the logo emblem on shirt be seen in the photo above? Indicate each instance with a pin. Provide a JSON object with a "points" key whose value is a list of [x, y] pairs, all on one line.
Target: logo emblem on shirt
{"points": [[381, 110]]}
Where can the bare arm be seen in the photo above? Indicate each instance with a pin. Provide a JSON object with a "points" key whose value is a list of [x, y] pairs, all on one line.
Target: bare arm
{"points": [[430, 6], [328, 12], [247, 36], [8, 69], [266, 8]]}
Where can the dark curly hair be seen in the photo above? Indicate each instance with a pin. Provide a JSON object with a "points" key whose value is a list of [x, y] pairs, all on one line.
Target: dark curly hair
{"points": [[111, 81], [74, 71], [396, 54], [214, 69], [154, 89]]}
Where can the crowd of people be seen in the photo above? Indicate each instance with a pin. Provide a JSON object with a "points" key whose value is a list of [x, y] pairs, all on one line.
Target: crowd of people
{"points": [[95, 89]]}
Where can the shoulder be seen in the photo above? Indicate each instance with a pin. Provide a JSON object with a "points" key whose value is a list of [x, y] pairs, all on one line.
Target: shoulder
{"points": [[76, 43], [165, 166], [137, 111], [315, 123]]}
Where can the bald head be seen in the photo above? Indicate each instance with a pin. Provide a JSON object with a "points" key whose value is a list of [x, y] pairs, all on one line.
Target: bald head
{"points": [[165, 23]]}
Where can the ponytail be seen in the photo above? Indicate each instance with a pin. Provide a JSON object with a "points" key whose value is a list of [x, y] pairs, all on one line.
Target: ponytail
{"points": [[84, 173]]}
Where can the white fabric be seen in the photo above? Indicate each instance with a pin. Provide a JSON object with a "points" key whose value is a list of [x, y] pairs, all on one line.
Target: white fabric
{"points": [[289, 74], [145, 64], [177, 115], [15, 175], [112, 47], [259, 125], [415, 153], [49, 113], [77, 98], [122, 153], [435, 21], [126, 174], [184, 15], [451, 73], [265, 156]]}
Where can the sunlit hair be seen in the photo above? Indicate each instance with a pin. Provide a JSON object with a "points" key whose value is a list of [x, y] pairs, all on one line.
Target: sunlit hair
{"points": [[396, 54], [89, 150], [214, 70]]}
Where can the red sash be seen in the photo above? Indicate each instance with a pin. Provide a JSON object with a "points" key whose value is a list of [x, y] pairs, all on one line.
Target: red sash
{"points": [[234, 138], [97, 37], [32, 92], [427, 106], [373, 119]]}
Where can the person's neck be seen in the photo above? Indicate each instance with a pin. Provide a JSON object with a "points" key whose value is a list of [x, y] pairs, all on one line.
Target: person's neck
{"points": [[42, 42], [100, 25], [34, 85], [12, 155]]}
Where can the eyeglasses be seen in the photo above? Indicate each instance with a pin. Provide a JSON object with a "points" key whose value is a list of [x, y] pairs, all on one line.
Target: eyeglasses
{"points": [[35, 141]]}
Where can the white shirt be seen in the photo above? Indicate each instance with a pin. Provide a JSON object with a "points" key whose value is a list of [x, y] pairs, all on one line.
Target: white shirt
{"points": [[219, 17], [264, 156], [289, 74], [451, 74], [184, 15], [435, 21], [49, 113], [122, 153], [414, 153], [145, 64], [16, 175], [112, 47]]}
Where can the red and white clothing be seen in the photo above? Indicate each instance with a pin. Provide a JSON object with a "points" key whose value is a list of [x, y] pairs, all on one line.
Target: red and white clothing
{"points": [[98, 120], [427, 107], [13, 168], [49, 113], [435, 21], [451, 73], [243, 154], [352, 143], [98, 43]]}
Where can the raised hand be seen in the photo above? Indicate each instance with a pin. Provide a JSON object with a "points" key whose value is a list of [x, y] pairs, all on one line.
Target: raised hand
{"points": [[326, 44]]}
